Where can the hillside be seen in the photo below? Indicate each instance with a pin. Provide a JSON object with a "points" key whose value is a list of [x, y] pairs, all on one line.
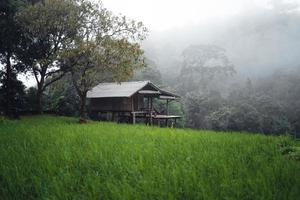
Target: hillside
{"points": [[50, 157]]}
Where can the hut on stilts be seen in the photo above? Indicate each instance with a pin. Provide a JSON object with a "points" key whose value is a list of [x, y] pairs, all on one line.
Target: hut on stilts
{"points": [[131, 102]]}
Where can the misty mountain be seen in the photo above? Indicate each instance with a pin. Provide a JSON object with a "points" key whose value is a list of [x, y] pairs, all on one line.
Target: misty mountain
{"points": [[257, 41]]}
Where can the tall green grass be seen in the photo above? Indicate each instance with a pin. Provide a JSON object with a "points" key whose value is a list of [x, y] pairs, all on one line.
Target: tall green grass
{"points": [[55, 158]]}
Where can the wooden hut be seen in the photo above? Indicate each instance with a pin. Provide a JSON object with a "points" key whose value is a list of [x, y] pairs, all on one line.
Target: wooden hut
{"points": [[130, 101]]}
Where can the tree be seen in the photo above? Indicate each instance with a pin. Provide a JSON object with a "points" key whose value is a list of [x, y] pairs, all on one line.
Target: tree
{"points": [[284, 87], [257, 111], [150, 73], [62, 97], [49, 28], [274, 119], [10, 36], [198, 107], [219, 119], [30, 100], [245, 117], [106, 48], [203, 67], [14, 104]]}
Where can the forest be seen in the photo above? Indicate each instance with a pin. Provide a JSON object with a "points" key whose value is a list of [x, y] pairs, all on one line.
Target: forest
{"points": [[224, 84]]}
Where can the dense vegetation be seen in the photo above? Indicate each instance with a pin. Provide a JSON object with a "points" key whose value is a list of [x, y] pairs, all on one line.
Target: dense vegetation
{"points": [[268, 106], [47, 157], [50, 39], [216, 96]]}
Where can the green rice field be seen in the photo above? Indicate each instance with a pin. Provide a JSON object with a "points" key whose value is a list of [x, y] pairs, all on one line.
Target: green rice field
{"points": [[49, 157]]}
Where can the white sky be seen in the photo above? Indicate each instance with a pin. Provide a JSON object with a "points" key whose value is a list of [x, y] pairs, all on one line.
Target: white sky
{"points": [[165, 14]]}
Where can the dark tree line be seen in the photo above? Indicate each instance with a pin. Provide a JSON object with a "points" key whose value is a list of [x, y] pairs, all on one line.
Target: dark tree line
{"points": [[10, 39]]}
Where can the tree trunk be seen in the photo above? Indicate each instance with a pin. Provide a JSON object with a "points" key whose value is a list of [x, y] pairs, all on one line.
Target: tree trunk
{"points": [[82, 94], [10, 110], [39, 103], [83, 115]]}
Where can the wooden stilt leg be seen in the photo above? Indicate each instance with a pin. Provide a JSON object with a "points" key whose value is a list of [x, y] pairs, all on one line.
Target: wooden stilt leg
{"points": [[133, 118], [113, 116]]}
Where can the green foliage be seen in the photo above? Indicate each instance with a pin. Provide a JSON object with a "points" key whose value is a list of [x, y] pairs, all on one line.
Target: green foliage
{"points": [[273, 116], [213, 102], [62, 97], [10, 38], [219, 120], [284, 88], [246, 118], [55, 158], [106, 48], [10, 33], [198, 107], [31, 100], [239, 112], [11, 106], [49, 28], [2, 119]]}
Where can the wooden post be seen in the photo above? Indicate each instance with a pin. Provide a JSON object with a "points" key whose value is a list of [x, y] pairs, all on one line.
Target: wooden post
{"points": [[148, 103], [132, 104], [151, 120], [133, 117], [151, 108], [167, 109], [145, 118], [151, 100], [113, 116]]}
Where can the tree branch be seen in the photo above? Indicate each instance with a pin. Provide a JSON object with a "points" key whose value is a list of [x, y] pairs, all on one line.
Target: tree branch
{"points": [[52, 72], [35, 75], [53, 80]]}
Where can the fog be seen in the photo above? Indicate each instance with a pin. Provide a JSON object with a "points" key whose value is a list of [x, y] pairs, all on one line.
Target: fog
{"points": [[238, 69], [259, 36], [257, 41]]}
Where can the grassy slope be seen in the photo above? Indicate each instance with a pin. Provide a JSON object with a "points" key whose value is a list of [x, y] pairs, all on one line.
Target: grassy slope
{"points": [[55, 158]]}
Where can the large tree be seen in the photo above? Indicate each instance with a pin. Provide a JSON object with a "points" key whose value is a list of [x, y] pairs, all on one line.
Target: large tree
{"points": [[203, 68], [49, 28], [10, 36], [106, 48]]}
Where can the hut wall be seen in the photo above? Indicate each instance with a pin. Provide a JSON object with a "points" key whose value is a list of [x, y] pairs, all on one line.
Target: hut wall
{"points": [[111, 104], [138, 102], [117, 104]]}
